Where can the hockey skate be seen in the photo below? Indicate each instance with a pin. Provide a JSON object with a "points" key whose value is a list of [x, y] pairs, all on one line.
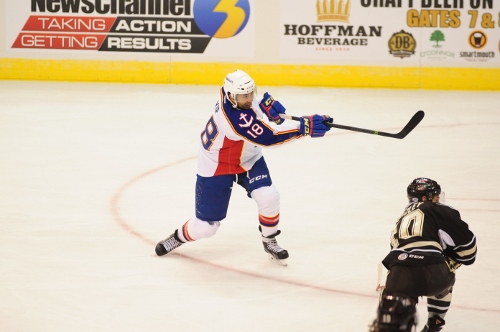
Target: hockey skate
{"points": [[375, 327], [277, 254], [170, 243], [434, 324]]}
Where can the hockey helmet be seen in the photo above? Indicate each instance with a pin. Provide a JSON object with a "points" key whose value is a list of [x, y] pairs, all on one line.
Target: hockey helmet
{"points": [[423, 187], [396, 313], [238, 82]]}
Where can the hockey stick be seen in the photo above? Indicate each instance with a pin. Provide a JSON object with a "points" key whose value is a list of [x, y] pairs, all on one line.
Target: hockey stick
{"points": [[414, 121]]}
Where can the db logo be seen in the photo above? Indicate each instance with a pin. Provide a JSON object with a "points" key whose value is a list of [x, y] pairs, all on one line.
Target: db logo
{"points": [[402, 44]]}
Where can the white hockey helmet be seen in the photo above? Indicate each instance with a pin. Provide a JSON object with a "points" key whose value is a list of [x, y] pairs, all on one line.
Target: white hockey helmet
{"points": [[238, 82]]}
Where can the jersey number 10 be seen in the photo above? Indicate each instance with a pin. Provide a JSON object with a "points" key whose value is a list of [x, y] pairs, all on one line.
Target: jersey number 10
{"points": [[408, 226]]}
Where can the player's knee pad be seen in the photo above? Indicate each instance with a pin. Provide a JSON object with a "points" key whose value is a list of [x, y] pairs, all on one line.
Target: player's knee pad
{"points": [[445, 295], [195, 229], [396, 313], [268, 200]]}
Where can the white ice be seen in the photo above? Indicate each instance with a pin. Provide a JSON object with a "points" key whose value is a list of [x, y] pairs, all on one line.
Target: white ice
{"points": [[92, 175]]}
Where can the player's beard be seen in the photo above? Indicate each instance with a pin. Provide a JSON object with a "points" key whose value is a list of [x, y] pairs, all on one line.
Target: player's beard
{"points": [[246, 106]]}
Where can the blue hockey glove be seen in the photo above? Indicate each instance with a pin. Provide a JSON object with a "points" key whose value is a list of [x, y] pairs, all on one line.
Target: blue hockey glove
{"points": [[272, 108], [314, 125]]}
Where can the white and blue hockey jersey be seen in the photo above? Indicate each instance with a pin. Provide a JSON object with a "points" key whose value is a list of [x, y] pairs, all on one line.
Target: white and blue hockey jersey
{"points": [[233, 138]]}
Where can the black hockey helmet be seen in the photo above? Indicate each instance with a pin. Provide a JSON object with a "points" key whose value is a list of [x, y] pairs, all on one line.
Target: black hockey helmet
{"points": [[422, 187], [395, 314]]}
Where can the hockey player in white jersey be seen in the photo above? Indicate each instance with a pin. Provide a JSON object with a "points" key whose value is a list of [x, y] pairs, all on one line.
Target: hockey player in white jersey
{"points": [[230, 151]]}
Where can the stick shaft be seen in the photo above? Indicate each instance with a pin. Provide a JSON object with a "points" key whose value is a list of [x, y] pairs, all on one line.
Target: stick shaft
{"points": [[414, 121]]}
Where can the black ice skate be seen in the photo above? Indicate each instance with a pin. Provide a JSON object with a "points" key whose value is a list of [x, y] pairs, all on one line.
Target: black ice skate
{"points": [[170, 243], [434, 324], [375, 327], [276, 253]]}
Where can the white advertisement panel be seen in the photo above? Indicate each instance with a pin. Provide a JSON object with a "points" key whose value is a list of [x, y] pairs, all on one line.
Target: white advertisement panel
{"points": [[442, 33], [208, 27]]}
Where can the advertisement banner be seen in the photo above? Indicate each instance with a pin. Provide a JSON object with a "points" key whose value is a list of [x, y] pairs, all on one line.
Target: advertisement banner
{"points": [[440, 33], [209, 27]]}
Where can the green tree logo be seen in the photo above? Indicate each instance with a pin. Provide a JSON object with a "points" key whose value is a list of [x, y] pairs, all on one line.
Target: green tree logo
{"points": [[437, 36]]}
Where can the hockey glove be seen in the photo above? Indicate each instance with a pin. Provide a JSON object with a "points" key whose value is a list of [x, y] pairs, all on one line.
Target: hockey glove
{"points": [[452, 265], [272, 108], [314, 125]]}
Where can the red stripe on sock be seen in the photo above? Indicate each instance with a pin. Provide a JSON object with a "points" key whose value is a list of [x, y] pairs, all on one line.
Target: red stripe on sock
{"points": [[185, 232], [269, 221]]}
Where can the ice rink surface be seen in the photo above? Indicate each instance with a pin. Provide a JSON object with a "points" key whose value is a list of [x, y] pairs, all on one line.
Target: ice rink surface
{"points": [[93, 175]]}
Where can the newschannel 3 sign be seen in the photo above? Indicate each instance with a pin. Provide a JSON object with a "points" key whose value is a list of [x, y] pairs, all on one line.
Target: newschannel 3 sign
{"points": [[379, 32], [162, 26]]}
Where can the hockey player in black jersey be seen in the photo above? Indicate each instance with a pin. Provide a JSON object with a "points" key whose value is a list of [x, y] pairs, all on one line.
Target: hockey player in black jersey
{"points": [[429, 242]]}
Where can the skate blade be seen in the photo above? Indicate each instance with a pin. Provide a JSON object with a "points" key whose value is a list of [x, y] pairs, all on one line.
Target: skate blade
{"points": [[282, 262]]}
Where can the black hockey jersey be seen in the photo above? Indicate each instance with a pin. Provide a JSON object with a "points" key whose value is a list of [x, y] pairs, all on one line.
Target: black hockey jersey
{"points": [[427, 233]]}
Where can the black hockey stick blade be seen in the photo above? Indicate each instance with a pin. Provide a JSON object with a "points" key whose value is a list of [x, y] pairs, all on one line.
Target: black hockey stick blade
{"points": [[414, 121]]}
